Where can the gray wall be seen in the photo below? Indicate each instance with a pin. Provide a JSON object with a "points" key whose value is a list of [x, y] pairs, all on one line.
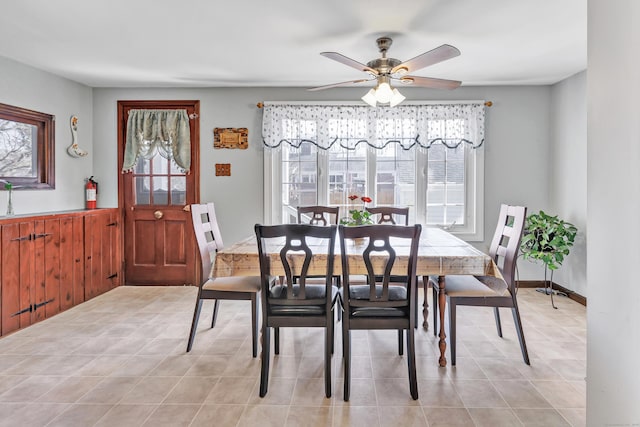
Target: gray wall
{"points": [[568, 173], [27, 87], [517, 147], [516, 156], [613, 252]]}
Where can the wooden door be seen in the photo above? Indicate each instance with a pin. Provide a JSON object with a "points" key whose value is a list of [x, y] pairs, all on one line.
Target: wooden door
{"points": [[101, 253], [159, 246]]}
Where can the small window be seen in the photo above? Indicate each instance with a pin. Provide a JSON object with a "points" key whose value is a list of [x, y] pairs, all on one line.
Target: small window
{"points": [[27, 148]]}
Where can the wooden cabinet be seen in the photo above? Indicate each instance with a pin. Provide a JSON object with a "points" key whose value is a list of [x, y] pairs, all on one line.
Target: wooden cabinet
{"points": [[52, 262]]}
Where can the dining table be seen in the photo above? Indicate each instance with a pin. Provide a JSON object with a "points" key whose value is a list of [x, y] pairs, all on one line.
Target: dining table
{"points": [[440, 254]]}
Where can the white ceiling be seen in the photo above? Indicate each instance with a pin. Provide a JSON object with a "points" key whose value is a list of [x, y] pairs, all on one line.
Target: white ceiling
{"points": [[211, 43]]}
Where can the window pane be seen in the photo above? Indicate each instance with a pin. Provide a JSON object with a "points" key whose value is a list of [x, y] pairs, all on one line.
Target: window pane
{"points": [[143, 188], [446, 185], [160, 193], [299, 176], [143, 166], [178, 190], [18, 149], [395, 178], [160, 165]]}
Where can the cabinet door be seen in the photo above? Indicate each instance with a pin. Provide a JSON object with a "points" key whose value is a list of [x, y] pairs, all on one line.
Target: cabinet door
{"points": [[18, 275], [102, 257]]}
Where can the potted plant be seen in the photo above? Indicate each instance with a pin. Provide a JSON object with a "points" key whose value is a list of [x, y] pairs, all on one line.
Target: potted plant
{"points": [[547, 239]]}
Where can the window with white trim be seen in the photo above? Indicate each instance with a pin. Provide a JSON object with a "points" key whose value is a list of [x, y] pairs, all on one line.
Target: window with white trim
{"points": [[441, 183]]}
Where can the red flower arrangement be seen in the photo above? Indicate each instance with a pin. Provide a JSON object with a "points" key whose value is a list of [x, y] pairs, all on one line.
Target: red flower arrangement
{"points": [[358, 216]]}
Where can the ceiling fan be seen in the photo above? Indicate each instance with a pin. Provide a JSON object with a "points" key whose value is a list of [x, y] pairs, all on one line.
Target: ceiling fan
{"points": [[385, 70]]}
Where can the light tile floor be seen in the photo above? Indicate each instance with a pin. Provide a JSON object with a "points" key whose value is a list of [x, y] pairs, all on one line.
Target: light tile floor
{"points": [[119, 360]]}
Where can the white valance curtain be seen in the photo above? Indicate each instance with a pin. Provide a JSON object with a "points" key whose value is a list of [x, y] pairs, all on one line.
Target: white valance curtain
{"points": [[346, 125], [158, 131]]}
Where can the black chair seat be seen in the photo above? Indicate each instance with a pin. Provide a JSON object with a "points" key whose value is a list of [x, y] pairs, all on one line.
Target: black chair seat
{"points": [[311, 292], [378, 312], [361, 292]]}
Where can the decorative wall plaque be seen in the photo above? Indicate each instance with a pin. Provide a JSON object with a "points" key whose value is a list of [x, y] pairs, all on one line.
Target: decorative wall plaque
{"points": [[223, 169], [231, 138]]}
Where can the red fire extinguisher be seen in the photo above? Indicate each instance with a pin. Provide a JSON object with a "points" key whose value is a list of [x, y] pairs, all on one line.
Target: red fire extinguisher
{"points": [[91, 190]]}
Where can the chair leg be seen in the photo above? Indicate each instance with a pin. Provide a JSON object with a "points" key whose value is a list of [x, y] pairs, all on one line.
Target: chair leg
{"points": [[264, 370], [400, 338], [332, 320], [496, 312], [434, 308], [328, 351], [194, 323], [411, 363], [523, 344], [452, 329], [416, 304], [255, 312], [276, 340], [215, 313], [346, 355]]}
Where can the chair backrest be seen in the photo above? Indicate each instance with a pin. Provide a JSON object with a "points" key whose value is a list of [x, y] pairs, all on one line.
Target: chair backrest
{"points": [[387, 214], [207, 232], [378, 255], [506, 241], [287, 250], [318, 214]]}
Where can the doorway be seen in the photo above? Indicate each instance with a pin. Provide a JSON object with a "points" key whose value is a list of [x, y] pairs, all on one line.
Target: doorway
{"points": [[158, 243]]}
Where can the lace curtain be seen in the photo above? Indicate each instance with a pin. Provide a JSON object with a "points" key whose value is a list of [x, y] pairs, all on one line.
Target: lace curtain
{"points": [[347, 126], [158, 131]]}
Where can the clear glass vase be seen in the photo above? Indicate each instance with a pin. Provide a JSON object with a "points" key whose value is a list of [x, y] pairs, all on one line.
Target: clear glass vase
{"points": [[10, 204]]}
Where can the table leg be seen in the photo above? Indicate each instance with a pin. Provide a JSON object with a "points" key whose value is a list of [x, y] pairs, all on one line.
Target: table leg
{"points": [[442, 301], [425, 305]]}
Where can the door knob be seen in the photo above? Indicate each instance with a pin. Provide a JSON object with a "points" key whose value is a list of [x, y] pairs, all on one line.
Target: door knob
{"points": [[158, 214]]}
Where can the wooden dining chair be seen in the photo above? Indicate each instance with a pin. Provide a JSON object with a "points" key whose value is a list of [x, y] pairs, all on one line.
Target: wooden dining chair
{"points": [[390, 214], [378, 304], [319, 215], [485, 290], [296, 303], [207, 232]]}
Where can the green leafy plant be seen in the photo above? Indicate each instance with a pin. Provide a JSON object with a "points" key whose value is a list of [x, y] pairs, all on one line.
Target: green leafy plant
{"points": [[547, 239], [358, 216]]}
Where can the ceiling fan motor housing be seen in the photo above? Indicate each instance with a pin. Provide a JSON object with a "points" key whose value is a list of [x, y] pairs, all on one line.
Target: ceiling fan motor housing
{"points": [[383, 65]]}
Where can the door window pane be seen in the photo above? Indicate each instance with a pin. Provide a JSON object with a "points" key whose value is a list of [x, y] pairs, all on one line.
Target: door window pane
{"points": [[178, 190], [143, 190], [160, 193]]}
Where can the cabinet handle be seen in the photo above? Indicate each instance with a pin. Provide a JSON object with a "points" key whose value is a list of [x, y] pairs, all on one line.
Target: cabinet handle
{"points": [[24, 310], [38, 305]]}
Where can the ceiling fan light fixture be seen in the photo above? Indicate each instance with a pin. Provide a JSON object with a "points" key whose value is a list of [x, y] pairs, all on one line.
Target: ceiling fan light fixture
{"points": [[370, 97], [384, 93], [397, 98]]}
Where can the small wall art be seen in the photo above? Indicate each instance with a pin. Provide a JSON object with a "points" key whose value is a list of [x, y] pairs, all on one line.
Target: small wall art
{"points": [[74, 150], [231, 138], [223, 169]]}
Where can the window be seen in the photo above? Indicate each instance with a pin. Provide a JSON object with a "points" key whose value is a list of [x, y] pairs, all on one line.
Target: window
{"points": [[26, 148], [441, 183]]}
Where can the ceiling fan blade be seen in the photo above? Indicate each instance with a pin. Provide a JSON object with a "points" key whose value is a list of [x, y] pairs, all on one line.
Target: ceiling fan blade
{"points": [[348, 61], [430, 82], [439, 54], [339, 84]]}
